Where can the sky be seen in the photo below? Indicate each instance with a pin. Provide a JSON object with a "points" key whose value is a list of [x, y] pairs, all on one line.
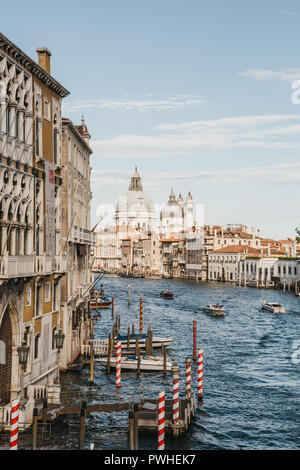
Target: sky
{"points": [[201, 96]]}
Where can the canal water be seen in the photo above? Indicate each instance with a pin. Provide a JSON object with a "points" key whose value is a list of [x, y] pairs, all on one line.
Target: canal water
{"points": [[251, 377]]}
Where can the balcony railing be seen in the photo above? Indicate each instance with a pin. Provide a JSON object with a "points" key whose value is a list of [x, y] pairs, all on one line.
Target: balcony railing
{"points": [[16, 266], [80, 235]]}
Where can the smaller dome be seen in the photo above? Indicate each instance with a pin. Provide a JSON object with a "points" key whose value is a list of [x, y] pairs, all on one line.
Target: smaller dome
{"points": [[171, 210]]}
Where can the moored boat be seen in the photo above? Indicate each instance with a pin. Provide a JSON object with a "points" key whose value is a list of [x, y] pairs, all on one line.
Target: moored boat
{"points": [[147, 363], [100, 302], [273, 307], [157, 341]]}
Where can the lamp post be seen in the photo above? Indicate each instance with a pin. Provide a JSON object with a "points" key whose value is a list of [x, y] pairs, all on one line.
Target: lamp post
{"points": [[59, 342], [23, 352]]}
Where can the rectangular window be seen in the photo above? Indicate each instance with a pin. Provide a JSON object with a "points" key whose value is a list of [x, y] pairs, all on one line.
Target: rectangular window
{"points": [[47, 113]]}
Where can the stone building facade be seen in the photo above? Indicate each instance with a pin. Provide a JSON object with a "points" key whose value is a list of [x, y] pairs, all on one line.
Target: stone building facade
{"points": [[76, 237], [33, 254]]}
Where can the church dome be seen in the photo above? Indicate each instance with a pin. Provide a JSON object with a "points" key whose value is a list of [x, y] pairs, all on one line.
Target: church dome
{"points": [[171, 210], [135, 207]]}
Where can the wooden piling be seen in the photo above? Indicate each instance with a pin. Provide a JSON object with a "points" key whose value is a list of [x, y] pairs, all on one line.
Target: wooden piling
{"points": [[195, 340], [165, 358], [114, 331], [150, 342], [34, 428], [138, 362], [136, 426], [136, 345], [92, 365], [112, 307], [132, 328], [128, 339], [131, 430], [109, 352], [82, 425]]}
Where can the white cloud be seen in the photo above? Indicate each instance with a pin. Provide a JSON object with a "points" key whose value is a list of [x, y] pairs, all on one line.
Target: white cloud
{"points": [[288, 75], [171, 103], [191, 138], [287, 13]]}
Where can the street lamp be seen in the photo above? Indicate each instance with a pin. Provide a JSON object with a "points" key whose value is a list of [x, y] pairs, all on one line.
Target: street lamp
{"points": [[23, 352], [59, 342]]}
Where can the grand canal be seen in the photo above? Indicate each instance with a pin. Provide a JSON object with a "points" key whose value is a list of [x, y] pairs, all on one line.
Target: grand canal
{"points": [[251, 382]]}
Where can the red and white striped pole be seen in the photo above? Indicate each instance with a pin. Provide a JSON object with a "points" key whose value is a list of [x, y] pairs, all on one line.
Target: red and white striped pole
{"points": [[188, 378], [195, 340], [14, 425], [289, 286], [175, 373], [200, 374], [118, 365], [161, 421]]}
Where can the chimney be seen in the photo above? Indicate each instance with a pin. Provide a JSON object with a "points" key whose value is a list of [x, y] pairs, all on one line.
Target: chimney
{"points": [[253, 232], [44, 58]]}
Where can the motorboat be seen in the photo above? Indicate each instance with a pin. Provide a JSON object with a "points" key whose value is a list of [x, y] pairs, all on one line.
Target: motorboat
{"points": [[217, 309], [167, 294], [273, 307], [147, 363], [157, 341]]}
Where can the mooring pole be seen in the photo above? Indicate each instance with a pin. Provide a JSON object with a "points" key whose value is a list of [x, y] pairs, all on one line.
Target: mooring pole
{"points": [[132, 328], [112, 307], [175, 417], [136, 426], [82, 425], [141, 315], [92, 365], [138, 362], [128, 339], [108, 353], [34, 428], [200, 374], [131, 430], [195, 340], [188, 377], [165, 358]]}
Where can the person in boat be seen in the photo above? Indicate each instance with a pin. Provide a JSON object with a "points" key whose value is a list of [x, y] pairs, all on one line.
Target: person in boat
{"points": [[102, 291]]}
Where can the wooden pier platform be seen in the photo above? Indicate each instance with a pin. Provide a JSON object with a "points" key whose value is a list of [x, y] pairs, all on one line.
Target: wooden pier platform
{"points": [[148, 415]]}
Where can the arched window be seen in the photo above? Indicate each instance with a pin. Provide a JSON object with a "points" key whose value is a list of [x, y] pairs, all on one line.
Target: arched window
{"points": [[36, 345]]}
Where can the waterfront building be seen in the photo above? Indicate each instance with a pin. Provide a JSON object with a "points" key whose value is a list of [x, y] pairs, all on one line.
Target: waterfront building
{"points": [[77, 238], [268, 268], [31, 260], [223, 264]]}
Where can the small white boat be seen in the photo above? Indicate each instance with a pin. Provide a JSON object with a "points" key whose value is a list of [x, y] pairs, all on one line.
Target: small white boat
{"points": [[218, 309], [157, 341], [150, 363], [273, 307]]}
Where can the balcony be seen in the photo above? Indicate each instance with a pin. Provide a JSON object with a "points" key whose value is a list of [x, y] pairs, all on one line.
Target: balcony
{"points": [[43, 264], [16, 266], [61, 263], [80, 235]]}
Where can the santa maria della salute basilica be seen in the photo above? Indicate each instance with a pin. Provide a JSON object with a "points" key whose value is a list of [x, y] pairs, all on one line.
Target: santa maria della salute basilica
{"points": [[135, 211], [142, 233]]}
